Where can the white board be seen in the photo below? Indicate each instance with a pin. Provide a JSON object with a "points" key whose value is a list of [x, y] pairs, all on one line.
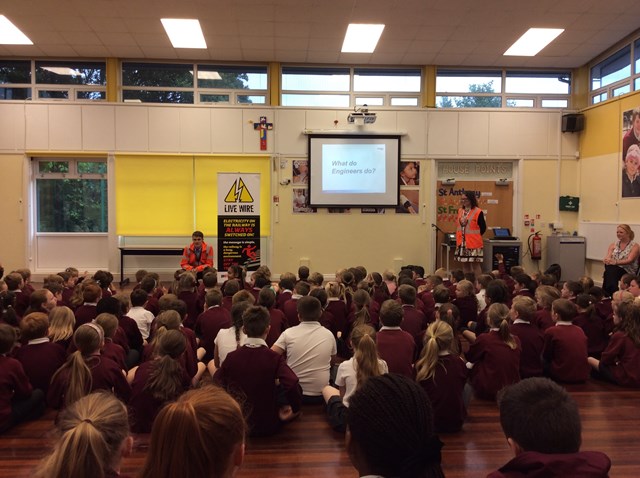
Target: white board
{"points": [[600, 235]]}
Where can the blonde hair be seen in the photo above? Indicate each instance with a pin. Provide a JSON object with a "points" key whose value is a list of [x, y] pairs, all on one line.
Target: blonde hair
{"points": [[438, 338], [466, 287], [525, 307], [335, 289], [92, 431], [546, 294], [626, 228], [363, 339], [61, 323], [498, 317]]}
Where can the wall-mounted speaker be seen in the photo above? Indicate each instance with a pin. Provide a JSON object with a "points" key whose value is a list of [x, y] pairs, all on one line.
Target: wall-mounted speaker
{"points": [[572, 123]]}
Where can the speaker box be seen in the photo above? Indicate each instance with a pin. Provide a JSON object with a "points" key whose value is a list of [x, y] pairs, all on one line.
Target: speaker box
{"points": [[572, 123]]}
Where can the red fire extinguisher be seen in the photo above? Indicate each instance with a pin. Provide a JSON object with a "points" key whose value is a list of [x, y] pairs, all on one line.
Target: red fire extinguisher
{"points": [[535, 246]]}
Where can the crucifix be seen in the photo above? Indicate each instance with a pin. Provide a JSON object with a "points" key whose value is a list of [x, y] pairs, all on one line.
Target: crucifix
{"points": [[263, 126]]}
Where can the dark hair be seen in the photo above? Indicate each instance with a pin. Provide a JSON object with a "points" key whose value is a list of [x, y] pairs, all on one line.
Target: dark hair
{"points": [[148, 283], [574, 287], [91, 293], [213, 297], [391, 424], [266, 297], [457, 274], [286, 283], [109, 305], [210, 279], [321, 295], [525, 281], [407, 294], [8, 337], [231, 287], [237, 311], [391, 313], [138, 298], [255, 320], [197, 234], [471, 196], [554, 270], [103, 278], [441, 294], [303, 272], [539, 415], [309, 308], [261, 281], [497, 291], [301, 288]]}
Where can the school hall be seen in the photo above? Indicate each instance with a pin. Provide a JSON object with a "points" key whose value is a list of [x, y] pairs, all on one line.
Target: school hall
{"points": [[84, 94]]}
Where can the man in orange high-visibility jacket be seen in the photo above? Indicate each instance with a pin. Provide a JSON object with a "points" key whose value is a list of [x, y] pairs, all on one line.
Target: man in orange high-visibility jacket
{"points": [[198, 255]]}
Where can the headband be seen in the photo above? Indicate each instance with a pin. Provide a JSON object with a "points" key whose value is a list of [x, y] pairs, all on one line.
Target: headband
{"points": [[98, 329]]}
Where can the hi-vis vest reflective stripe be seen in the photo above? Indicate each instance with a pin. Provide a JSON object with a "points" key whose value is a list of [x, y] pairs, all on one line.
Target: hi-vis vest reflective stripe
{"points": [[472, 236]]}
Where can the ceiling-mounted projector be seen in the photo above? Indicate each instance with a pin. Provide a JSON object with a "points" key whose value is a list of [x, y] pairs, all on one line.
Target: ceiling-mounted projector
{"points": [[361, 116]]}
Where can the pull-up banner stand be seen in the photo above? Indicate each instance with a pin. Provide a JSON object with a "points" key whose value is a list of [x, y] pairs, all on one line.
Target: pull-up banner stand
{"points": [[238, 220]]}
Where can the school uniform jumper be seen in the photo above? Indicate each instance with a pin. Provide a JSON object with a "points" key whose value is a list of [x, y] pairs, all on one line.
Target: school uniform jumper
{"points": [[532, 342], [622, 358], [398, 349], [565, 350]]}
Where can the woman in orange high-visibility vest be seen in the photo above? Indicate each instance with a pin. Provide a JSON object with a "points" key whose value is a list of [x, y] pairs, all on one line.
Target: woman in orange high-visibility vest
{"points": [[471, 227]]}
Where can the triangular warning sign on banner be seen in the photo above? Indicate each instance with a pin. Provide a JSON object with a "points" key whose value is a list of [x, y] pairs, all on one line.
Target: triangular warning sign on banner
{"points": [[238, 192]]}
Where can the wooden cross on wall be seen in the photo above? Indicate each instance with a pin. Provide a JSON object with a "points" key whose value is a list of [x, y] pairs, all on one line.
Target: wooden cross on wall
{"points": [[263, 126]]}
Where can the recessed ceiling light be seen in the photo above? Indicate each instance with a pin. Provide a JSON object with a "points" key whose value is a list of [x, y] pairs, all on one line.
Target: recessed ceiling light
{"points": [[10, 34], [361, 38], [208, 75], [184, 33], [534, 40], [64, 71]]}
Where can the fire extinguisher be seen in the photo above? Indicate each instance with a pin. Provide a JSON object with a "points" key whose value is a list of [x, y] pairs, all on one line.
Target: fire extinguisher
{"points": [[535, 246]]}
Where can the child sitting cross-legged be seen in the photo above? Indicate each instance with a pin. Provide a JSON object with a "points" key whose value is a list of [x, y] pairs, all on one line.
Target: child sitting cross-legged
{"points": [[261, 376]]}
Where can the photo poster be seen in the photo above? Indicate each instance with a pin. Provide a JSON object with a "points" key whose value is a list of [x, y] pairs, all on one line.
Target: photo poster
{"points": [[409, 201], [239, 220], [631, 153]]}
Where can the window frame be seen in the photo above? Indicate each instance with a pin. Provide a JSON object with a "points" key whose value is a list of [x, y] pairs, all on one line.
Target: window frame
{"points": [[632, 81]]}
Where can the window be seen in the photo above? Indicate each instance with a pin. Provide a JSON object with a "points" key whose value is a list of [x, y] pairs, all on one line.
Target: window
{"points": [[502, 88], [70, 195], [189, 83], [350, 87], [611, 77], [52, 80]]}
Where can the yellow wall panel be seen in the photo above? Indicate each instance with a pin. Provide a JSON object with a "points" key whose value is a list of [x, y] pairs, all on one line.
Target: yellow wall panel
{"points": [[154, 195], [601, 134]]}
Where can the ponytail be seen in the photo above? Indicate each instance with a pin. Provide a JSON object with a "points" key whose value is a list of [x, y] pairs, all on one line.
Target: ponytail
{"points": [[92, 431], [165, 379], [506, 336], [366, 353], [438, 338], [498, 315]]}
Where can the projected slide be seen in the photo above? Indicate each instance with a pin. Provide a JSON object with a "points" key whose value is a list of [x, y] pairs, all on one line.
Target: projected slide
{"points": [[349, 168]]}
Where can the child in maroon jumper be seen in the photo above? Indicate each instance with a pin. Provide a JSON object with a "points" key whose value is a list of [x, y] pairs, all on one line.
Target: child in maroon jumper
{"points": [[211, 321], [542, 425], [523, 311], [466, 301], [395, 346], [271, 388], [443, 375], [39, 357], [158, 381], [620, 361], [592, 325], [545, 295], [414, 321], [565, 345], [494, 358], [18, 401], [110, 349]]}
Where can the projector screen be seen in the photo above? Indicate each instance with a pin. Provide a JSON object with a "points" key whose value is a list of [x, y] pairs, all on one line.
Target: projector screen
{"points": [[353, 170]]}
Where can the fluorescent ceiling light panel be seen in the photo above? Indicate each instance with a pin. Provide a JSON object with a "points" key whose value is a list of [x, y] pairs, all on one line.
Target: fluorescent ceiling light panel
{"points": [[361, 38], [184, 33], [534, 40], [10, 34], [208, 75], [64, 71]]}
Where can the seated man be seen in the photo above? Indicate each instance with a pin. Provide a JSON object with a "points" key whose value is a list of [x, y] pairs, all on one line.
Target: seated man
{"points": [[542, 426], [198, 255]]}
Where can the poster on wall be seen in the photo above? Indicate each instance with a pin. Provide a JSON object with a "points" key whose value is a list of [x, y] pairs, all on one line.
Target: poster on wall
{"points": [[409, 173], [631, 153], [409, 200], [238, 220]]}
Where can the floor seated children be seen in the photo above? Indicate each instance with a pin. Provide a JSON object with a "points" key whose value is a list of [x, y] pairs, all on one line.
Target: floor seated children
{"points": [[395, 346], [211, 321], [494, 357], [229, 339], [620, 361], [523, 311], [18, 401], [414, 321], [158, 381], [86, 312], [352, 374], [310, 349], [545, 295], [231, 289], [39, 357], [290, 307], [137, 312], [359, 314], [336, 304], [110, 349], [61, 326], [261, 376], [277, 320], [86, 371], [592, 325], [542, 425], [93, 437], [466, 301], [443, 375], [565, 345], [570, 290], [187, 292]]}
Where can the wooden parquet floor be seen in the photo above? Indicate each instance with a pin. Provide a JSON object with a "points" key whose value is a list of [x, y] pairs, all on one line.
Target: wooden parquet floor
{"points": [[309, 448]]}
